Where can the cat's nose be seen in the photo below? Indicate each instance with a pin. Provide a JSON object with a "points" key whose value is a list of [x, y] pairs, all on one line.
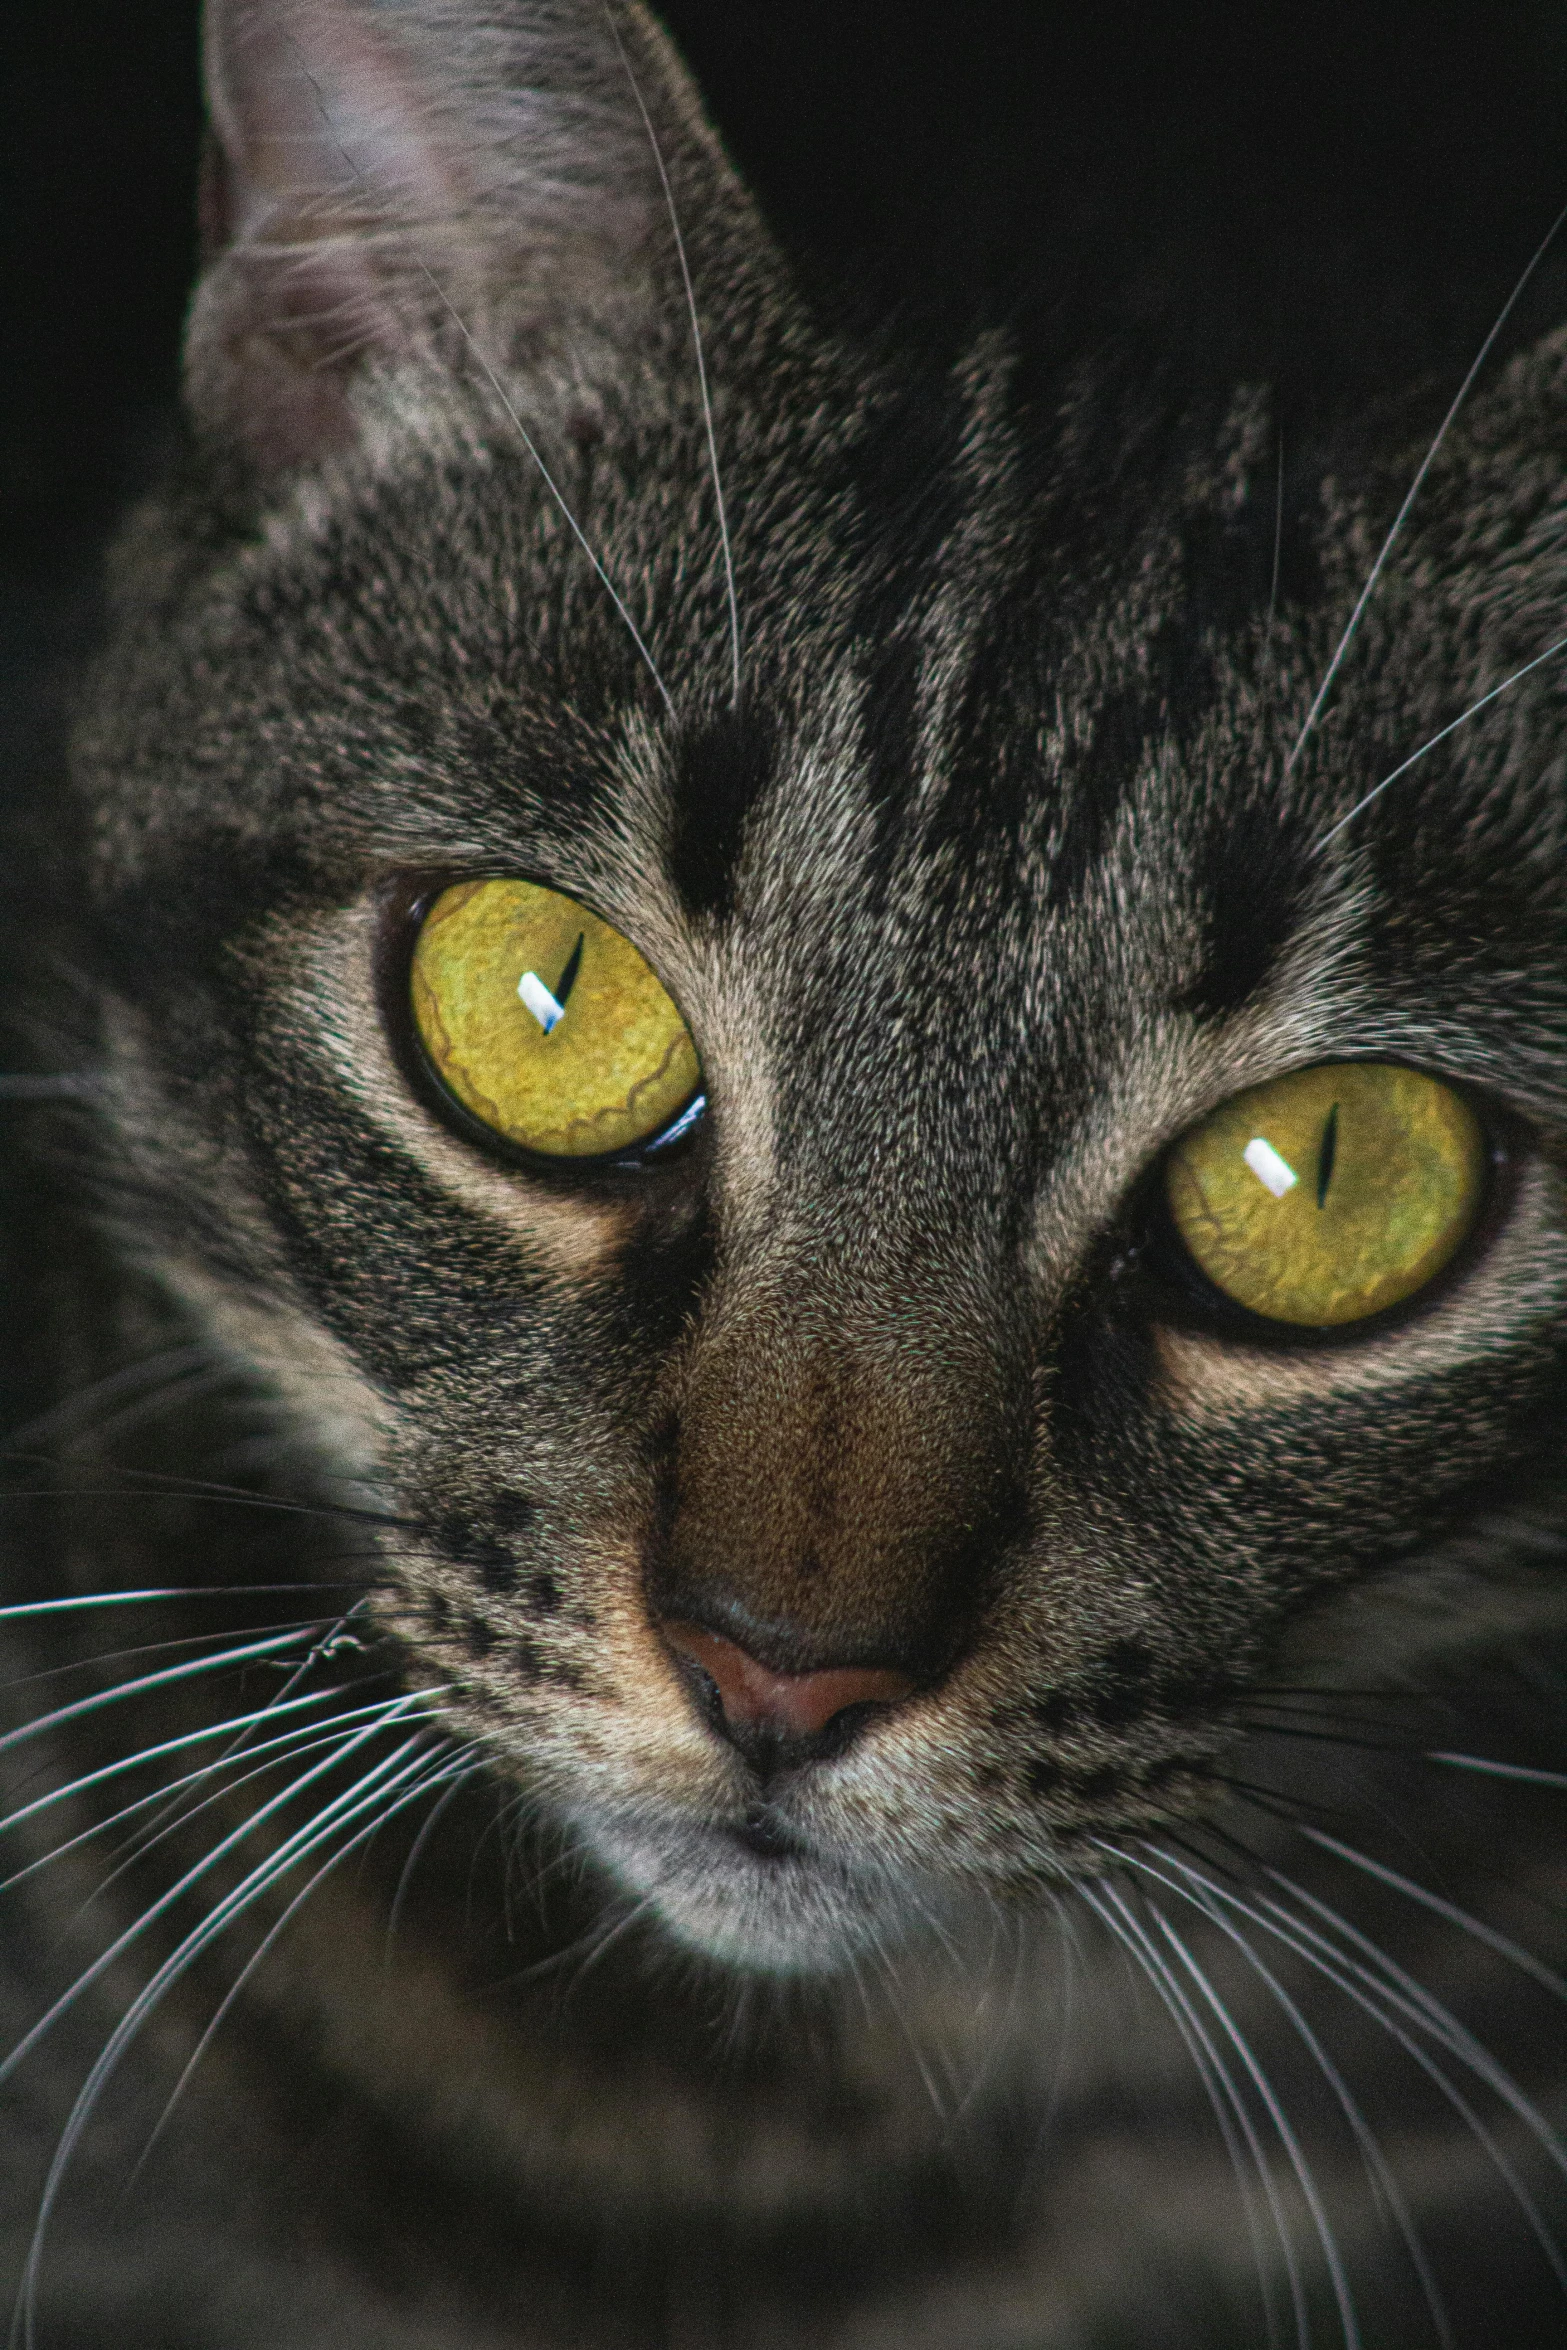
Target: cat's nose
{"points": [[776, 1716]]}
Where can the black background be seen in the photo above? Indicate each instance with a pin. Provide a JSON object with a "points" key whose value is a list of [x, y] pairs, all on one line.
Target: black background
{"points": [[1331, 195]]}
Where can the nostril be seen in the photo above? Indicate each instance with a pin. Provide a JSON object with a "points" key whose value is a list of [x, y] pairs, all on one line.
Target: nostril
{"points": [[754, 1699]]}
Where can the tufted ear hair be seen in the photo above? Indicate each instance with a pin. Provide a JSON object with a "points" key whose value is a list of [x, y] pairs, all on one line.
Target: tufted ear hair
{"points": [[379, 170]]}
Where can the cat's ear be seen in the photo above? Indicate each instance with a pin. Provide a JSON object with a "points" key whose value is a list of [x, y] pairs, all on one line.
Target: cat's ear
{"points": [[380, 170]]}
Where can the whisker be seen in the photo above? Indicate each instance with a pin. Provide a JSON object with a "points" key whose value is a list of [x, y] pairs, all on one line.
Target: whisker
{"points": [[158, 1484], [1502, 1944], [1374, 1996], [172, 1817], [940, 2102], [149, 1754], [160, 1680], [1072, 1968], [1423, 2009], [1285, 1808], [1278, 536], [335, 1634], [206, 1378], [1413, 492], [294, 1848], [606, 1941], [496, 386], [114, 1656], [443, 1775], [60, 1607], [61, 1418], [1215, 2076], [218, 1489], [193, 1491], [1501, 1770], [1348, 2322], [1377, 2166], [1440, 736], [1320, 1693], [701, 361], [1258, 1726], [397, 1709], [294, 1740], [63, 1086], [427, 1829]]}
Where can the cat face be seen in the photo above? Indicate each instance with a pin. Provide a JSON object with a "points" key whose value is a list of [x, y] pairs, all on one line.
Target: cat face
{"points": [[865, 1505]]}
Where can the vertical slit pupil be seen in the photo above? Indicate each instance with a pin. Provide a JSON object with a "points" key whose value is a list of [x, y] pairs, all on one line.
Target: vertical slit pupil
{"points": [[568, 978], [1326, 1154]]}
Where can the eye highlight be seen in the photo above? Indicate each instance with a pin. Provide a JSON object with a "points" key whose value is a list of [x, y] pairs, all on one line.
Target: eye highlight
{"points": [[547, 1025], [1329, 1195]]}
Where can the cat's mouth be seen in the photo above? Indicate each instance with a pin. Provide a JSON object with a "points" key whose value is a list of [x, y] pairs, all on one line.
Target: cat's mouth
{"points": [[749, 1890], [767, 1837]]}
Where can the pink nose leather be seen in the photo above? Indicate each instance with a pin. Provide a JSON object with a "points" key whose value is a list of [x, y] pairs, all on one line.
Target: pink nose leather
{"points": [[797, 1705]]}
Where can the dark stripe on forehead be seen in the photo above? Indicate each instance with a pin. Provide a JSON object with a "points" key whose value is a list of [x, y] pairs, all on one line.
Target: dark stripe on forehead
{"points": [[890, 751], [1251, 880], [724, 767]]}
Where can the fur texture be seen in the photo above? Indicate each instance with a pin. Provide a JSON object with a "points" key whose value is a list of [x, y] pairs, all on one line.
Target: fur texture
{"points": [[1006, 862]]}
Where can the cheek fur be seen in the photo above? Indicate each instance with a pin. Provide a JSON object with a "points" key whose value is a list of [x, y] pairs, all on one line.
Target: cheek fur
{"points": [[810, 1740]]}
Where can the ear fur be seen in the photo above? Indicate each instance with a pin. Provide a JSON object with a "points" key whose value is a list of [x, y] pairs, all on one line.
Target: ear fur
{"points": [[378, 170]]}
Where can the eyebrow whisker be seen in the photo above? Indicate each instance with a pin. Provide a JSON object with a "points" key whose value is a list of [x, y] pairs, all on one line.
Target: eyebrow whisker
{"points": [[1451, 727], [1395, 530], [701, 360]]}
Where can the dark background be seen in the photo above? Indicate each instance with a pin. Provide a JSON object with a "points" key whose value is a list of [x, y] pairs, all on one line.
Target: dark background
{"points": [[1335, 196]]}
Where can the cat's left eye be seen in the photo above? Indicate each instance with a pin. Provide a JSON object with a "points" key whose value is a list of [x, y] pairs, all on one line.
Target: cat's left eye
{"points": [[1330, 1195], [548, 1026]]}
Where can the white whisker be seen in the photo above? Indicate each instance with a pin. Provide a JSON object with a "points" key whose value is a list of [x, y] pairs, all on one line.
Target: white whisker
{"points": [[1391, 1989], [397, 1709], [1348, 2322], [603, 1939], [507, 405], [1427, 2013], [443, 1774], [300, 1738], [98, 1658], [149, 1754], [427, 1829], [308, 1738], [1501, 1770], [1072, 1967], [369, 1789], [1413, 491], [1224, 2098], [701, 361], [161, 1680], [169, 1363], [57, 1607], [940, 2103], [1502, 1944], [1441, 736], [323, 1648], [1278, 536], [1377, 2166]]}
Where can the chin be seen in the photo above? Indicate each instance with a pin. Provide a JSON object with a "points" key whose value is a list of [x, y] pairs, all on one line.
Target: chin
{"points": [[743, 1897]]}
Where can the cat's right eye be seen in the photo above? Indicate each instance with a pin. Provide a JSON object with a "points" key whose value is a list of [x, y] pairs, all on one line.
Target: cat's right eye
{"points": [[547, 1025]]}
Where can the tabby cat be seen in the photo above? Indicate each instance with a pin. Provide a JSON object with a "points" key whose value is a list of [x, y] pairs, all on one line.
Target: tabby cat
{"points": [[788, 1562]]}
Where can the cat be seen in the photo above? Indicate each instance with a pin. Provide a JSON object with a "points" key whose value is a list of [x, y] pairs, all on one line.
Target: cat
{"points": [[788, 1562]]}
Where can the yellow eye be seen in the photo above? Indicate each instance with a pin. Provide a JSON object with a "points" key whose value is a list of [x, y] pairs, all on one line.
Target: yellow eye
{"points": [[546, 1024], [1329, 1195]]}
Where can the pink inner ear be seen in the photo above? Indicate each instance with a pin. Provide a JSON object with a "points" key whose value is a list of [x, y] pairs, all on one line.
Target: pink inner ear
{"points": [[380, 172], [320, 121], [323, 186]]}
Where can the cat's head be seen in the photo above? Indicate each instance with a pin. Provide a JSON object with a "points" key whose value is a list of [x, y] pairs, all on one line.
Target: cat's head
{"points": [[867, 1470]]}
